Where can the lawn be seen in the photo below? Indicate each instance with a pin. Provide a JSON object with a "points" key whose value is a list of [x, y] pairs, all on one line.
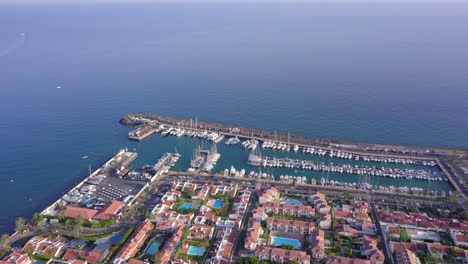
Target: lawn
{"points": [[181, 201], [224, 210], [404, 237]]}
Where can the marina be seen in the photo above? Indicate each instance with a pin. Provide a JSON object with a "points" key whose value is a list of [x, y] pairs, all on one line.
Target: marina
{"points": [[255, 160], [237, 155], [113, 181], [149, 173], [205, 128], [204, 160], [251, 139], [252, 144], [361, 183]]}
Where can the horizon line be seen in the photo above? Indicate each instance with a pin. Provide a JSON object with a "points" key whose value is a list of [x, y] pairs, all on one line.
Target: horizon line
{"points": [[374, 2]]}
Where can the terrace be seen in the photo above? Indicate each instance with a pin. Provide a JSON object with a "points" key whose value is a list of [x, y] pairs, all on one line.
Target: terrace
{"points": [[192, 249]]}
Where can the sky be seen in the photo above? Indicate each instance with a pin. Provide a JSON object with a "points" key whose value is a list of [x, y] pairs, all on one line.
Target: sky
{"points": [[225, 1]]}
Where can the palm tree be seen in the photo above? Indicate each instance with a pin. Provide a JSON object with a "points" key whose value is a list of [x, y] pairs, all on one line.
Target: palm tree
{"points": [[36, 219], [4, 242], [20, 224]]}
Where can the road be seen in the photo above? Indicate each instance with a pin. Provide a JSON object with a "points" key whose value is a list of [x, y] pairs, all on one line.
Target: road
{"points": [[245, 223], [300, 189], [386, 247], [444, 167], [60, 230]]}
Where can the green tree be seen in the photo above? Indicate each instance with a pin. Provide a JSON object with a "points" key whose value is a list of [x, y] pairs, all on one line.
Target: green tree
{"points": [[62, 217], [348, 252], [404, 236], [20, 224], [4, 241], [157, 258], [76, 224], [68, 224], [452, 255], [30, 251], [288, 247], [247, 260], [465, 215], [36, 219]]}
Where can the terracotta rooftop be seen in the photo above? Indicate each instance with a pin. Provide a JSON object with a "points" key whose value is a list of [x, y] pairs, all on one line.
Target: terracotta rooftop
{"points": [[109, 211], [73, 212], [343, 260]]}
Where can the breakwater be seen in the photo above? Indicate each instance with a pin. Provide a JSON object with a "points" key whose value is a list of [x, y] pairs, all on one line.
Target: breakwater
{"points": [[291, 139]]}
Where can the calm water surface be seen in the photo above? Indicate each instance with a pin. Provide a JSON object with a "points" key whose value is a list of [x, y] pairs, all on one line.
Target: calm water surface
{"points": [[369, 73]]}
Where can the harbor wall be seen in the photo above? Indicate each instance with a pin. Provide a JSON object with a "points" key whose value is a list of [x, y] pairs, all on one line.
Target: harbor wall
{"points": [[293, 139]]}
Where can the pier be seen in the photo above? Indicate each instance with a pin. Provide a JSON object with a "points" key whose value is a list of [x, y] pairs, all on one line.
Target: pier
{"points": [[141, 132], [292, 139], [395, 173], [104, 184], [364, 151], [204, 160]]}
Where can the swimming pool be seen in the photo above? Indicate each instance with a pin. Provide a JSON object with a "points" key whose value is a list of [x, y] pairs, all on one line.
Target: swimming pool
{"points": [[186, 206], [217, 204], [196, 251], [116, 238], [153, 248], [280, 241], [295, 202]]}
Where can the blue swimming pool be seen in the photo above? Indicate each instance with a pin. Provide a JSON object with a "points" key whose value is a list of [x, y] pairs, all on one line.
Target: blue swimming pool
{"points": [[196, 251], [153, 248], [218, 204], [116, 238], [186, 206], [295, 202], [280, 241]]}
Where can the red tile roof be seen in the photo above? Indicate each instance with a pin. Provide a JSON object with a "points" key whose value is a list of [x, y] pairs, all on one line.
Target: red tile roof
{"points": [[461, 238], [393, 230], [93, 257], [426, 224], [77, 261], [286, 255], [342, 214], [109, 211], [73, 212], [406, 257], [132, 245], [439, 248], [135, 261], [343, 260], [406, 222], [17, 257], [253, 233], [71, 254]]}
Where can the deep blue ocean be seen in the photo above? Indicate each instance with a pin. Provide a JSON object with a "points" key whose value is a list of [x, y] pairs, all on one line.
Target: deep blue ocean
{"points": [[391, 74]]}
